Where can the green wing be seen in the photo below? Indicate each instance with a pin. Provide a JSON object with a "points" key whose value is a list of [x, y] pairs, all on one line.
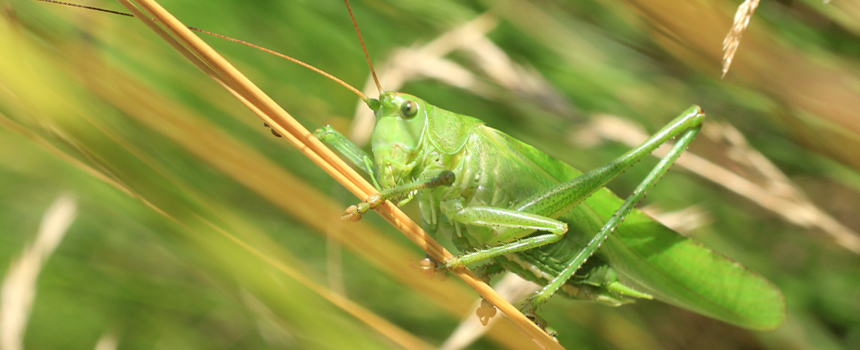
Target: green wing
{"points": [[659, 261]]}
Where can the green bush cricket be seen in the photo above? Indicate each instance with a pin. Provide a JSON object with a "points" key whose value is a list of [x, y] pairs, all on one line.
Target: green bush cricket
{"points": [[545, 224], [511, 206], [461, 171]]}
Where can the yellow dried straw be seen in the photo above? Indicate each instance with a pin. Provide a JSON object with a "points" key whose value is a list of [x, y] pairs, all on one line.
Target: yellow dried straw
{"points": [[217, 68], [733, 38]]}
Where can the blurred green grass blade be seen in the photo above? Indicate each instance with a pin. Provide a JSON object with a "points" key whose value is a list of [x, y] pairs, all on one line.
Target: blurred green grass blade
{"points": [[127, 270]]}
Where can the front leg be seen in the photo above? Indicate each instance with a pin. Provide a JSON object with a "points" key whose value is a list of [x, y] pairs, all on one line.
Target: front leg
{"points": [[351, 151], [397, 193]]}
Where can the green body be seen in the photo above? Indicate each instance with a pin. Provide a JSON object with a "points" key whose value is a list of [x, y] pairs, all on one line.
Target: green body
{"points": [[506, 196]]}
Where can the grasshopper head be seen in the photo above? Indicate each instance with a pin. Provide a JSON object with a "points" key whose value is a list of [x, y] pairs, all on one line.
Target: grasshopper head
{"points": [[397, 137]]}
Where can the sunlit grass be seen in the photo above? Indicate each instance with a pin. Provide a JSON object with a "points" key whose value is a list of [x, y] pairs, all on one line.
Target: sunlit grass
{"points": [[198, 228]]}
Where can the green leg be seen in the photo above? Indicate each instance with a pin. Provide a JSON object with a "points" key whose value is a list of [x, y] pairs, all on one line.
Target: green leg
{"points": [[357, 156], [498, 218], [560, 199], [544, 294], [538, 213], [363, 161], [399, 193]]}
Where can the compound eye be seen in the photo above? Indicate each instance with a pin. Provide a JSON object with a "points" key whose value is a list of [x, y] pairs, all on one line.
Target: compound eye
{"points": [[409, 109]]}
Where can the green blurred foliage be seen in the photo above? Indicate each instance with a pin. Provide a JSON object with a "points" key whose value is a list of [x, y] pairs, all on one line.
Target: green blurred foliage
{"points": [[198, 229]]}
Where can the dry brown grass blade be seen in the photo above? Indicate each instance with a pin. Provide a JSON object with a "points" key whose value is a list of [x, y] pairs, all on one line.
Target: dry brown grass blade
{"points": [[394, 333], [301, 138], [50, 147], [273, 256], [733, 38], [472, 328], [279, 187]]}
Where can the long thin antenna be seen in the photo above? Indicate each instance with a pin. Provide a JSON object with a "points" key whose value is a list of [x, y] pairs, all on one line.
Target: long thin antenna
{"points": [[88, 7], [355, 24], [288, 58]]}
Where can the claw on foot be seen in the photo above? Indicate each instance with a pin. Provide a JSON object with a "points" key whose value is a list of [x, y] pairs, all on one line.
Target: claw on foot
{"points": [[352, 214], [552, 333], [486, 311], [529, 309], [431, 268], [538, 321], [428, 266]]}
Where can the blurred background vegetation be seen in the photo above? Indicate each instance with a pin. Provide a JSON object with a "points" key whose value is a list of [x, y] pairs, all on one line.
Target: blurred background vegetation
{"points": [[196, 228]]}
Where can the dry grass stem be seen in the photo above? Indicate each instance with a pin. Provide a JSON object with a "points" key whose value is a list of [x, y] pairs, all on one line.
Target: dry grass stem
{"points": [[513, 287], [19, 286], [23, 131], [271, 182], [394, 333], [238, 85], [733, 38], [375, 322]]}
